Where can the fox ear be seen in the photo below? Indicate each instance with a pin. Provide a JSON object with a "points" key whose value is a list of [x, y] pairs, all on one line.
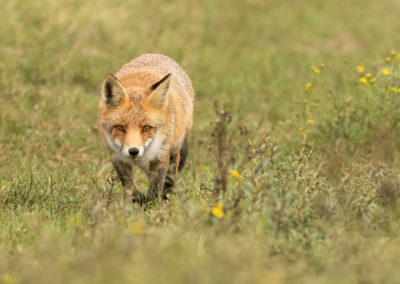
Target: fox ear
{"points": [[112, 91], [159, 92]]}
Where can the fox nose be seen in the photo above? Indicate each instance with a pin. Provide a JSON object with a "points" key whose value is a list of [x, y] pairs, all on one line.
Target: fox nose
{"points": [[133, 152]]}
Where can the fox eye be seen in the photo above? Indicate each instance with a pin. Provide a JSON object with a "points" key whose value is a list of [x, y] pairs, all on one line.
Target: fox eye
{"points": [[119, 128], [146, 128]]}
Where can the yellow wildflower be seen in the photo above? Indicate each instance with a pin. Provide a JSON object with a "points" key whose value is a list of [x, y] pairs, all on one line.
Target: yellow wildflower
{"points": [[308, 131], [372, 80], [322, 65], [398, 56], [393, 89], [315, 104], [218, 210], [305, 101], [138, 227], [368, 75], [310, 121], [236, 174], [280, 122], [308, 86], [393, 52], [363, 80], [386, 72], [360, 68], [315, 70], [301, 129], [388, 59], [298, 101]]}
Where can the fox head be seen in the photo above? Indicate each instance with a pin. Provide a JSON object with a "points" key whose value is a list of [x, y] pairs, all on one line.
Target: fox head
{"points": [[130, 121]]}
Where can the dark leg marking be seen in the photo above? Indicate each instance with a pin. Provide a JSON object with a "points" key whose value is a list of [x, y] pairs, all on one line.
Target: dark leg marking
{"points": [[183, 155], [169, 179], [123, 173], [156, 184]]}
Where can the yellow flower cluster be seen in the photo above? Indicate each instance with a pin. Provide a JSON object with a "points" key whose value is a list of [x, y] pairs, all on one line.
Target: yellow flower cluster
{"points": [[368, 76], [218, 210], [365, 77], [315, 70], [309, 121], [386, 72], [388, 59], [307, 130], [360, 68]]}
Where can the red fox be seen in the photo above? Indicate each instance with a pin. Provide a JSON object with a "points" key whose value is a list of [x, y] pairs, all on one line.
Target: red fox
{"points": [[144, 117]]}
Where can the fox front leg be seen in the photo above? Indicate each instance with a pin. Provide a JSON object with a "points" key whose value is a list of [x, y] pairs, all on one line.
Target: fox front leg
{"points": [[176, 162], [157, 174], [124, 172]]}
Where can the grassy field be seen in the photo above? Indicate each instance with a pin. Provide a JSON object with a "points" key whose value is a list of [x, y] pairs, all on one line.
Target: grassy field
{"points": [[303, 96]]}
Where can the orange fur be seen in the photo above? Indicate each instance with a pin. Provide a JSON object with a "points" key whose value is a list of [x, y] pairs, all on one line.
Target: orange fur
{"points": [[143, 108]]}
